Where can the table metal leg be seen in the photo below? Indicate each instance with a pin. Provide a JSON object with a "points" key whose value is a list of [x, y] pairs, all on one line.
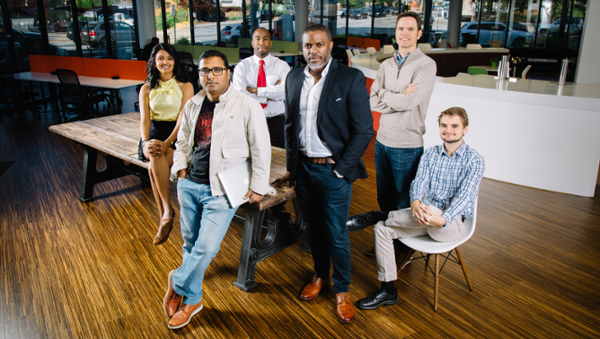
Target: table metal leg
{"points": [[280, 234], [114, 169]]}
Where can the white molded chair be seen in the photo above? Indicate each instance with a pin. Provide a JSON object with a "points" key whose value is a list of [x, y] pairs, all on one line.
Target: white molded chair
{"points": [[426, 245], [371, 50], [525, 71], [473, 46], [350, 55], [424, 46], [356, 51], [387, 49]]}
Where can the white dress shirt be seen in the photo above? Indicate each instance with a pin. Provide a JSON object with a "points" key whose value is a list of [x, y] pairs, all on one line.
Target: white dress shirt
{"points": [[309, 141], [246, 74]]}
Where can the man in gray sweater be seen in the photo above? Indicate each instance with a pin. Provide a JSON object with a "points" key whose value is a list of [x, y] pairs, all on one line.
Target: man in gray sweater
{"points": [[401, 93]]}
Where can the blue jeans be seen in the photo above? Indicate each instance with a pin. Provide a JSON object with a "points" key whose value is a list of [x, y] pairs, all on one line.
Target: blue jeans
{"points": [[396, 169], [204, 222], [325, 203]]}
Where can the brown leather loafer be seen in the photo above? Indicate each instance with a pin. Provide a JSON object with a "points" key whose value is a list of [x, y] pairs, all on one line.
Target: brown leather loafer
{"points": [[172, 299], [370, 252], [313, 288], [184, 315], [164, 229], [345, 311]]}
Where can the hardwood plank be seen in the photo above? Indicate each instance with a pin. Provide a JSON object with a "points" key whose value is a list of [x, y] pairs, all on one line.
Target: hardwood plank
{"points": [[88, 270]]}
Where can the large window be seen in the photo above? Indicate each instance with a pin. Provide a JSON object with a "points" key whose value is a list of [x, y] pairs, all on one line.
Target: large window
{"points": [[384, 27], [205, 24], [25, 31], [524, 18], [284, 15], [560, 25], [359, 20]]}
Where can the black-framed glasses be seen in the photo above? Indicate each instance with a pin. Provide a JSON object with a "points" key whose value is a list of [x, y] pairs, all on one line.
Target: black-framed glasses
{"points": [[215, 71]]}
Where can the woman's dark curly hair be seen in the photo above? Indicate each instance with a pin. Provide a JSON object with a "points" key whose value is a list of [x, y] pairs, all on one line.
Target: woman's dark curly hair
{"points": [[153, 74]]}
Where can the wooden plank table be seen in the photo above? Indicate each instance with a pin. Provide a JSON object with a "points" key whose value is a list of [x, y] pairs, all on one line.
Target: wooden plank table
{"points": [[118, 136]]}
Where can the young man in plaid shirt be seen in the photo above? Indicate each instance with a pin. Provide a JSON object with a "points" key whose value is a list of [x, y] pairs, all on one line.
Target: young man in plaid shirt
{"points": [[442, 195]]}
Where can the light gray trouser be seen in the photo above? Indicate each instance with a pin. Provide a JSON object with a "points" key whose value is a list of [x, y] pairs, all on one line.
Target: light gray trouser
{"points": [[401, 224]]}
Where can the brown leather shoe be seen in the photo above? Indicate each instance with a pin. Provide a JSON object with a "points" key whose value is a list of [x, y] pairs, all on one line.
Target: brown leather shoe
{"points": [[164, 229], [313, 288], [172, 299], [345, 311], [370, 252], [184, 315]]}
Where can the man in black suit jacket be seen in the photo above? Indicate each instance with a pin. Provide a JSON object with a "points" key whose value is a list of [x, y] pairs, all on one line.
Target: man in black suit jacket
{"points": [[328, 128]]}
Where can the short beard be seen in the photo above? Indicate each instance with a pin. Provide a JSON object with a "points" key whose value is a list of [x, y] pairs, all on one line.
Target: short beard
{"points": [[314, 68]]}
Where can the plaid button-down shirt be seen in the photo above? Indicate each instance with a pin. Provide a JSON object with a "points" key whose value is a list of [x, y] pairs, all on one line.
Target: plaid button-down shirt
{"points": [[449, 183]]}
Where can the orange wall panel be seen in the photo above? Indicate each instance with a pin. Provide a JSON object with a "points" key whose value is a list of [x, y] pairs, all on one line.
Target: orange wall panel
{"points": [[130, 69], [371, 43], [353, 41], [101, 68], [42, 63], [376, 115], [72, 63]]}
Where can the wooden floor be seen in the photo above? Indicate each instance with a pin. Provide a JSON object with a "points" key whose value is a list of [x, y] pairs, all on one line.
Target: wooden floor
{"points": [[89, 270]]}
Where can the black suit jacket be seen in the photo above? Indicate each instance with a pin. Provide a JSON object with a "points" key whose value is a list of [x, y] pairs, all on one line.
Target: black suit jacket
{"points": [[344, 119]]}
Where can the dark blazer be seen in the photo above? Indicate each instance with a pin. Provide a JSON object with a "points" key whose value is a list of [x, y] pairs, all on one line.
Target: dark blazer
{"points": [[344, 119]]}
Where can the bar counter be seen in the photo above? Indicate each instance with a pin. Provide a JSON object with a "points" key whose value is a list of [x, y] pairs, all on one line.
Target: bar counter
{"points": [[530, 132]]}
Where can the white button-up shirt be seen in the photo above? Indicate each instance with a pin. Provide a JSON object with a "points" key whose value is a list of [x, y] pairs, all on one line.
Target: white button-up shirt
{"points": [[309, 141], [246, 74]]}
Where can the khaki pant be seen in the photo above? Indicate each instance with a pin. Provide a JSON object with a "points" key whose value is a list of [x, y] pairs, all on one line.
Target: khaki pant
{"points": [[401, 224]]}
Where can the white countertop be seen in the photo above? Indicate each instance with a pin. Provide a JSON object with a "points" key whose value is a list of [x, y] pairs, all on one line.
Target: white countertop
{"points": [[541, 93], [369, 65]]}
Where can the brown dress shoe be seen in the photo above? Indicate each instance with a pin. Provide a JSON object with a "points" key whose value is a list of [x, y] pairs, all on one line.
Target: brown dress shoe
{"points": [[345, 311], [370, 252], [164, 229], [313, 288], [172, 299], [184, 315]]}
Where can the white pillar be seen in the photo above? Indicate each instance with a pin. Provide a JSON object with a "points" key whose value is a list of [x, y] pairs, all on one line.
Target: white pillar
{"points": [[301, 19], [454, 15], [145, 22], [588, 68]]}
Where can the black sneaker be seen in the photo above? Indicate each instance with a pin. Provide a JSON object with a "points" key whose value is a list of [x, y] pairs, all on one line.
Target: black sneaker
{"points": [[360, 221], [380, 297]]}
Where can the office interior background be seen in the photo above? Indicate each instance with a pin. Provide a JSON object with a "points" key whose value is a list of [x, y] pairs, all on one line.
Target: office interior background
{"points": [[119, 29]]}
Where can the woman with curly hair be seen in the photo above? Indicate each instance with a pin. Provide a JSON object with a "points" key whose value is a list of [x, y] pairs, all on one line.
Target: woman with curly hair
{"points": [[161, 101]]}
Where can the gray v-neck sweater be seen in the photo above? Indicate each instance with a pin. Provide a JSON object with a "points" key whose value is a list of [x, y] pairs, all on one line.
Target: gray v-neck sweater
{"points": [[402, 122]]}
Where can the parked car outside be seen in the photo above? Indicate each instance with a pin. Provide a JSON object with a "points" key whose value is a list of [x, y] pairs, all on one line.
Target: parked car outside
{"points": [[574, 27], [94, 35], [82, 23], [490, 31], [230, 31], [358, 13], [379, 12], [341, 12]]}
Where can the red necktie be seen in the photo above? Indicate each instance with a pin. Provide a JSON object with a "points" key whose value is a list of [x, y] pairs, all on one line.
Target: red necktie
{"points": [[262, 78]]}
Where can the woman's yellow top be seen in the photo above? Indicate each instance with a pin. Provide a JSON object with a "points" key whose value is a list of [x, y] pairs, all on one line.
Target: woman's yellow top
{"points": [[165, 101]]}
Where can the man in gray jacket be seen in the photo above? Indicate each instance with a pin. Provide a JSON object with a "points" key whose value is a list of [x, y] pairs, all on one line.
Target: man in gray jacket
{"points": [[220, 128], [401, 93]]}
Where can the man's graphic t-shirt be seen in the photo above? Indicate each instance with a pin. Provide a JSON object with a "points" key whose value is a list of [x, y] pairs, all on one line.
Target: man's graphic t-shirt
{"points": [[202, 138]]}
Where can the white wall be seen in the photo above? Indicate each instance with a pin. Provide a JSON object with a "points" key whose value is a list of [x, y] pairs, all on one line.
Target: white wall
{"points": [[588, 67]]}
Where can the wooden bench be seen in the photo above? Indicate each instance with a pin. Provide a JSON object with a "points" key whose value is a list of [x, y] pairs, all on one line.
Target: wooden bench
{"points": [[118, 136]]}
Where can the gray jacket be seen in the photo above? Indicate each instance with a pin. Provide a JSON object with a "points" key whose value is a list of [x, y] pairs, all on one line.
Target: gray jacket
{"points": [[239, 132]]}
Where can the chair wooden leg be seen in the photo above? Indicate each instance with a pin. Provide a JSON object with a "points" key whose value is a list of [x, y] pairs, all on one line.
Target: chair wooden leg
{"points": [[436, 281], [427, 261], [464, 268]]}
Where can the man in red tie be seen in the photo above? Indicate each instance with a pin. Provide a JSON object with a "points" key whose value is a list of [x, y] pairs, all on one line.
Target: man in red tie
{"points": [[262, 76]]}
